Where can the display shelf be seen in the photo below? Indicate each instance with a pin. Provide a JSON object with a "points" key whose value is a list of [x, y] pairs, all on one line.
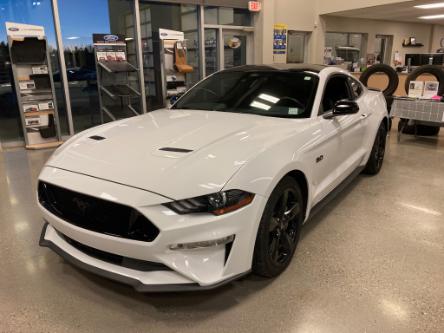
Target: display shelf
{"points": [[38, 113], [120, 90], [45, 145], [36, 98], [35, 91], [120, 112], [117, 66]]}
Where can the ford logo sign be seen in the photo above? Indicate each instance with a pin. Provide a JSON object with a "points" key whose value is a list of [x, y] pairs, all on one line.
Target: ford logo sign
{"points": [[110, 38], [13, 29]]}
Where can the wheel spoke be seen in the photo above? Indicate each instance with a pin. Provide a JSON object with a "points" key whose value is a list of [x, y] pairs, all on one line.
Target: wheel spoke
{"points": [[286, 242], [273, 224], [283, 204], [293, 211], [274, 248]]}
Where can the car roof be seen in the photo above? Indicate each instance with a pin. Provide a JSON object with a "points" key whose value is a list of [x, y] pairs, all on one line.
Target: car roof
{"points": [[280, 67]]}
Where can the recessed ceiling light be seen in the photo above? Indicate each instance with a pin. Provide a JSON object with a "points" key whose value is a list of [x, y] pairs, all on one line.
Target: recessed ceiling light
{"points": [[431, 5], [432, 17]]}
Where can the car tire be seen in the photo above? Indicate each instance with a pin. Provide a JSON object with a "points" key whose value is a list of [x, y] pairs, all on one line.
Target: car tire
{"points": [[376, 158], [279, 229], [393, 77], [435, 70]]}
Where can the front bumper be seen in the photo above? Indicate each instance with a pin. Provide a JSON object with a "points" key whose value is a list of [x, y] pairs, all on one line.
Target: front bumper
{"points": [[193, 269], [140, 281]]}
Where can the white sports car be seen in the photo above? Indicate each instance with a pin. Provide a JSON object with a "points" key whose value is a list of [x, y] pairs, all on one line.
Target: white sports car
{"points": [[218, 185]]}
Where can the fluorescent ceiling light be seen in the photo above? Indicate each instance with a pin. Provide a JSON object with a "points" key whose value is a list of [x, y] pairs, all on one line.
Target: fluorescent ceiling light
{"points": [[73, 37], [129, 38], [432, 17], [431, 5]]}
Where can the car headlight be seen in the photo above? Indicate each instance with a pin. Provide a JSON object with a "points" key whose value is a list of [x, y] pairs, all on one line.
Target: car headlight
{"points": [[217, 203]]}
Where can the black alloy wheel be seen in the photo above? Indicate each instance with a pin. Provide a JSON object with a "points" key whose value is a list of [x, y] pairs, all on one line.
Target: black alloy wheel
{"points": [[284, 227], [279, 229], [376, 158]]}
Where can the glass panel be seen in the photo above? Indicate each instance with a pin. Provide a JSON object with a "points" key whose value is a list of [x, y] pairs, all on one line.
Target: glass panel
{"points": [[28, 12], [155, 16], [346, 46], [227, 16], [235, 50], [116, 17], [122, 22], [211, 51]]}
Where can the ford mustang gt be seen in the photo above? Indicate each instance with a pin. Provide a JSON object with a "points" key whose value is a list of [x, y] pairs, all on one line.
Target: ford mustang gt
{"points": [[216, 186]]}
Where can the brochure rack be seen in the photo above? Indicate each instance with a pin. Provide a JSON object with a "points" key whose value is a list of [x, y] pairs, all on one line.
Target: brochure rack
{"points": [[34, 85], [118, 88]]}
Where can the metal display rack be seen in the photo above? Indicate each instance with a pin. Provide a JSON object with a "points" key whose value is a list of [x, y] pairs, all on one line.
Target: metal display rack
{"points": [[34, 87], [118, 97]]}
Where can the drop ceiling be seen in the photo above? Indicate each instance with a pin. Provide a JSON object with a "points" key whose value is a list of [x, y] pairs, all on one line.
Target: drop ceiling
{"points": [[400, 12]]}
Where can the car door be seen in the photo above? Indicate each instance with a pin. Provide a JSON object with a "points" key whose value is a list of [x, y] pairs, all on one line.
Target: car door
{"points": [[340, 150]]}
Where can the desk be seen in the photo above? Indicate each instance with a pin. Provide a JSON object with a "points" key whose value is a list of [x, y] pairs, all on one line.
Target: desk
{"points": [[418, 111]]}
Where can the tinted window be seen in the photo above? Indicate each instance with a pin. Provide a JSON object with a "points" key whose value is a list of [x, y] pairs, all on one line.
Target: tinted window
{"points": [[337, 88], [267, 93]]}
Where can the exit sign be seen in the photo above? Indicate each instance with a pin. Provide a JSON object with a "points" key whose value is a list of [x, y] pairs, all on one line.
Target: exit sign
{"points": [[254, 6]]}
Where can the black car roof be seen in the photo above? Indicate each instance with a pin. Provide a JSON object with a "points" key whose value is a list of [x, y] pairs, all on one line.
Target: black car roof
{"points": [[278, 67]]}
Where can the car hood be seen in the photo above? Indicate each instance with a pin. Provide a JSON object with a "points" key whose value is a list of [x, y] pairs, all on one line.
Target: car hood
{"points": [[175, 153]]}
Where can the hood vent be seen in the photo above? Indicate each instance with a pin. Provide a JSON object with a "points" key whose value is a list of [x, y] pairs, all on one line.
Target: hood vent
{"points": [[97, 137], [176, 150]]}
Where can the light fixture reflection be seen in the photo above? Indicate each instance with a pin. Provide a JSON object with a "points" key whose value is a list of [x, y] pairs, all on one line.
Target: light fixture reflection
{"points": [[432, 17], [269, 98], [260, 105], [431, 5]]}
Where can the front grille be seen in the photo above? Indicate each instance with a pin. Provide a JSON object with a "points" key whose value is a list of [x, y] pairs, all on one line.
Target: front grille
{"points": [[136, 264], [96, 214]]}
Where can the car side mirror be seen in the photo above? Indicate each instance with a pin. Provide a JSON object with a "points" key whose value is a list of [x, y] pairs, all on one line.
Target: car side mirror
{"points": [[342, 108]]}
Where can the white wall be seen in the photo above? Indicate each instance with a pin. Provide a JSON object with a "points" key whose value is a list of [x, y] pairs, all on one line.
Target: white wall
{"points": [[298, 14]]}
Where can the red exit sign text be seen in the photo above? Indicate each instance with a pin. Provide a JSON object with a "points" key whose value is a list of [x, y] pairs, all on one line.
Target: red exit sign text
{"points": [[254, 6]]}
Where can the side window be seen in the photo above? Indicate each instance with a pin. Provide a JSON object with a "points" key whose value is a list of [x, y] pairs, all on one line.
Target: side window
{"points": [[356, 87], [337, 88]]}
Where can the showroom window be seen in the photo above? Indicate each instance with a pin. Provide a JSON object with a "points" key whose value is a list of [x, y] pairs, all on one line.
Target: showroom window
{"points": [[227, 16], [35, 13], [155, 16], [350, 47]]}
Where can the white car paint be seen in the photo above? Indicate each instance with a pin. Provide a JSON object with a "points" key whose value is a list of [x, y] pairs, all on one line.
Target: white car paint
{"points": [[230, 151]]}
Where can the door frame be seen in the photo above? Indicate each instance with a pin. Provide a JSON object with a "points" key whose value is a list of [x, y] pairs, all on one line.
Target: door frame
{"points": [[244, 30]]}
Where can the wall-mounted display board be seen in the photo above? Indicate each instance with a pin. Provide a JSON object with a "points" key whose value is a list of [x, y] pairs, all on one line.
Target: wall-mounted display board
{"points": [[280, 43], [119, 94], [174, 64], [34, 85]]}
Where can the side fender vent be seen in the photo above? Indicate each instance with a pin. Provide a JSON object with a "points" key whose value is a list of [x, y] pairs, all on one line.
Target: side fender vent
{"points": [[176, 150], [97, 137]]}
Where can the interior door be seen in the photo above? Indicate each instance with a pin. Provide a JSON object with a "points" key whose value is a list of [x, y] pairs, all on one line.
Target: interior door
{"points": [[340, 150], [296, 46]]}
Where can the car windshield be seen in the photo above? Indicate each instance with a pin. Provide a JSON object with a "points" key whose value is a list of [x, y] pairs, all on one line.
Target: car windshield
{"points": [[283, 94]]}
